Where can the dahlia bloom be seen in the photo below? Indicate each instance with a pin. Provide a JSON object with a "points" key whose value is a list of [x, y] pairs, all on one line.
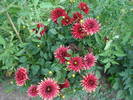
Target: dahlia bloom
{"points": [[89, 60], [21, 76], [66, 84], [48, 89], [66, 20], [84, 7], [42, 27], [78, 31], [60, 53], [77, 17], [89, 82], [56, 13], [76, 64], [32, 91], [91, 26]]}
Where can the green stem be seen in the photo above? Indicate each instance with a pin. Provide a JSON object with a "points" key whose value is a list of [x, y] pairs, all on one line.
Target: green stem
{"points": [[13, 26]]}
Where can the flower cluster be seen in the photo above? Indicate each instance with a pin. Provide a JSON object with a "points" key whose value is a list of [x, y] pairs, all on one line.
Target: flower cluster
{"points": [[77, 64], [49, 88], [80, 27]]}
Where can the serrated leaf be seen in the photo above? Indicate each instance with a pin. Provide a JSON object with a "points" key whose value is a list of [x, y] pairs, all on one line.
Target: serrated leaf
{"points": [[107, 66]]}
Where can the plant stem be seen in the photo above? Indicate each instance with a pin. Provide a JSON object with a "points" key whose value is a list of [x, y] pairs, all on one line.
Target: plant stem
{"points": [[13, 26]]}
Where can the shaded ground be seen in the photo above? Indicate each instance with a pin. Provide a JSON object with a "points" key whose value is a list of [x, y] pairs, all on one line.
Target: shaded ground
{"points": [[15, 95]]}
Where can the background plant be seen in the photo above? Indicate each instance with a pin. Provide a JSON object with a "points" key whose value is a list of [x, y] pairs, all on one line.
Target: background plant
{"points": [[112, 46]]}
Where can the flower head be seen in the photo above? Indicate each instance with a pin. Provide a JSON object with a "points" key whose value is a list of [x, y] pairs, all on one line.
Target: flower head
{"points": [[41, 27], [91, 26], [21, 76], [90, 82], [78, 31], [77, 17], [32, 91], [56, 13], [62, 52], [48, 89], [84, 7], [66, 20], [66, 84], [76, 64], [89, 60]]}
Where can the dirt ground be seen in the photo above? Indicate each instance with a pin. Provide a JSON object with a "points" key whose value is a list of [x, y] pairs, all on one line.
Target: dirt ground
{"points": [[16, 95]]}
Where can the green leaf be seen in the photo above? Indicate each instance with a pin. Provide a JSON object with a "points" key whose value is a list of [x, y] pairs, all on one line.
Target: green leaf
{"points": [[46, 5], [44, 71], [70, 51], [120, 94], [116, 85], [2, 41], [35, 69], [35, 2], [108, 44], [98, 74], [53, 31], [119, 54], [107, 66]]}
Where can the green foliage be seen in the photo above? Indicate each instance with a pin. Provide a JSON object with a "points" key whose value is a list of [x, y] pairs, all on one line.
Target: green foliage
{"points": [[114, 54]]}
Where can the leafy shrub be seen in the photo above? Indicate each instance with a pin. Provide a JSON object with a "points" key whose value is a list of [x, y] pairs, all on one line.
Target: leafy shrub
{"points": [[112, 45]]}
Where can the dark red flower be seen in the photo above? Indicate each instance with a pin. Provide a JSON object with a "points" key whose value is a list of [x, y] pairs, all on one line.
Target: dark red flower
{"points": [[62, 52], [48, 89], [66, 20], [40, 27], [76, 64], [21, 76], [77, 17], [91, 26], [90, 82], [78, 31], [43, 32], [89, 60], [56, 13], [66, 84], [84, 7], [32, 91]]}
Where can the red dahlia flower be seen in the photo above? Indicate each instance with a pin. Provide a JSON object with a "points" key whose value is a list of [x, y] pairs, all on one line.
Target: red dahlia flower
{"points": [[56, 13], [78, 31], [91, 26], [84, 7], [66, 84], [21, 76], [76, 64], [77, 17], [62, 52], [32, 91], [66, 20], [89, 60], [90, 82], [48, 89], [42, 27]]}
